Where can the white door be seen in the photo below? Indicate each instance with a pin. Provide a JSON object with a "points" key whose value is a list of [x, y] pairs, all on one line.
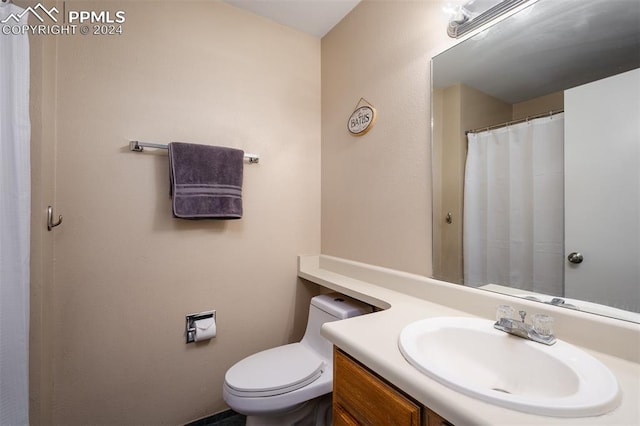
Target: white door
{"points": [[602, 191]]}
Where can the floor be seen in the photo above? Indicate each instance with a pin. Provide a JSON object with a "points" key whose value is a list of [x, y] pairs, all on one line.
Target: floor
{"points": [[226, 418]]}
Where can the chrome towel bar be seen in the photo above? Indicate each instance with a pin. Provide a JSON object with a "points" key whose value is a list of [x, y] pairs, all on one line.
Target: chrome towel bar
{"points": [[138, 146]]}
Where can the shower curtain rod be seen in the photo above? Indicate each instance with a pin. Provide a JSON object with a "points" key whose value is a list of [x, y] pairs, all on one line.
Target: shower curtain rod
{"points": [[509, 123]]}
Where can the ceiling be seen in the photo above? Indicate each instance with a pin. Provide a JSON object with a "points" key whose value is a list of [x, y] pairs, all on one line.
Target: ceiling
{"points": [[315, 17]]}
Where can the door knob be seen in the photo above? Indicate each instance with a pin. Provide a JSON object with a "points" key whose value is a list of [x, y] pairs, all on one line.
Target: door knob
{"points": [[575, 257]]}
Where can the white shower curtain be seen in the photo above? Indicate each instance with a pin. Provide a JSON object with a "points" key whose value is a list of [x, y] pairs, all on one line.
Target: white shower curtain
{"points": [[15, 201], [513, 227]]}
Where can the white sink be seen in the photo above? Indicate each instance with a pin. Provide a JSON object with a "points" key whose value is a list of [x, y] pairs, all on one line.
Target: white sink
{"points": [[470, 356]]}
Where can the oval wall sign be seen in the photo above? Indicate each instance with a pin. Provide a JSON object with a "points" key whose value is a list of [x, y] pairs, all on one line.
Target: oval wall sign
{"points": [[361, 120]]}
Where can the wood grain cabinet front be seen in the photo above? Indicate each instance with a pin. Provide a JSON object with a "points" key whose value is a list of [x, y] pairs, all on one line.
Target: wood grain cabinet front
{"points": [[362, 398], [432, 419]]}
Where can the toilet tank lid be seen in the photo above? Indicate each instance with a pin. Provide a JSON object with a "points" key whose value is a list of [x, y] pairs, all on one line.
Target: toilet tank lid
{"points": [[340, 306]]}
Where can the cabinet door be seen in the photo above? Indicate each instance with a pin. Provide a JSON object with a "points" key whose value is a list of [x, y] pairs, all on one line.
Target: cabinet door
{"points": [[342, 418], [361, 398], [432, 419]]}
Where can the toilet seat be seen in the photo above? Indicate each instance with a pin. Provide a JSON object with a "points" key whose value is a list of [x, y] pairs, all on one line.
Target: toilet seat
{"points": [[274, 371]]}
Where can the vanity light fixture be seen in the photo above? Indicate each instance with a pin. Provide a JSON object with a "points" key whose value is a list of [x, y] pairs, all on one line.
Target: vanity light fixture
{"points": [[475, 13]]}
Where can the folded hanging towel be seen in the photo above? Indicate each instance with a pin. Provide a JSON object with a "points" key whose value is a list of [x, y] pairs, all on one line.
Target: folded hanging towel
{"points": [[206, 181]]}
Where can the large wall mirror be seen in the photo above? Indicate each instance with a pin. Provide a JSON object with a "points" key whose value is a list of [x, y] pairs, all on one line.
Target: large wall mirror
{"points": [[536, 157]]}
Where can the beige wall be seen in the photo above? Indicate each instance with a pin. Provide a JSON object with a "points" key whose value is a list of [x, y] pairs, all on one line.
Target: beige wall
{"points": [[547, 103], [110, 327], [42, 106], [447, 154], [376, 189]]}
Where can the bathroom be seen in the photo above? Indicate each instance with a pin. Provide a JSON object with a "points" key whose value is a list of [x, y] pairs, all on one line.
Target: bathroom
{"points": [[111, 285]]}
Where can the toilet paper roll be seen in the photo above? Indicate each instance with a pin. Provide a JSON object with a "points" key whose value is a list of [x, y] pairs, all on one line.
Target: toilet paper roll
{"points": [[205, 329]]}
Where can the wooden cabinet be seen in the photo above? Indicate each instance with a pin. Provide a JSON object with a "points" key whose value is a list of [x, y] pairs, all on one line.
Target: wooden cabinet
{"points": [[432, 419], [362, 398]]}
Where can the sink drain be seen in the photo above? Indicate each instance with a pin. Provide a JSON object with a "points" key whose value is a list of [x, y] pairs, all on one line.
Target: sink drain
{"points": [[500, 390]]}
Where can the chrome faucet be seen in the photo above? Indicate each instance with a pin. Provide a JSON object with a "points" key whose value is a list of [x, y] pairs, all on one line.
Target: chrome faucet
{"points": [[540, 334], [557, 301]]}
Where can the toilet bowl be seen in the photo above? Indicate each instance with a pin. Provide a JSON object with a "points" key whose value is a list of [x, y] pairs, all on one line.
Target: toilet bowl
{"points": [[291, 384]]}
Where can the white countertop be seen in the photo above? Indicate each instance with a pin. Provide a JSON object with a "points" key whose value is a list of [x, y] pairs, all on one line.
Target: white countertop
{"points": [[404, 298]]}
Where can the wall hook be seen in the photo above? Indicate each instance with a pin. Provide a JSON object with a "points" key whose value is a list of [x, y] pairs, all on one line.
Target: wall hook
{"points": [[449, 218], [50, 224]]}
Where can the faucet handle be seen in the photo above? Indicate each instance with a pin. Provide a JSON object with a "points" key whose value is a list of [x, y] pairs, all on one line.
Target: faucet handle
{"points": [[505, 311], [522, 314], [542, 324]]}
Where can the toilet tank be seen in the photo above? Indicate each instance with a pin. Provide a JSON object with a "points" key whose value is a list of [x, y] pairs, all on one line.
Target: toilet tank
{"points": [[328, 308]]}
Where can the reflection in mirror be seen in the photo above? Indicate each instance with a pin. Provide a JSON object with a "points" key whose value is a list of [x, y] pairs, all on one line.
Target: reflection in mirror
{"points": [[536, 157]]}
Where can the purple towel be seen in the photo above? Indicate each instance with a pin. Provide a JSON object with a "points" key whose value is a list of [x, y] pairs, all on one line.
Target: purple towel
{"points": [[206, 181]]}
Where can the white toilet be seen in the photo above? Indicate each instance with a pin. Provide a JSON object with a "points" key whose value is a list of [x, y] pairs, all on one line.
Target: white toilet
{"points": [[291, 384]]}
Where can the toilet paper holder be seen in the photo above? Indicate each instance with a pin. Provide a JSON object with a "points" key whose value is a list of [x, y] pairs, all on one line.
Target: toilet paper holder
{"points": [[190, 323]]}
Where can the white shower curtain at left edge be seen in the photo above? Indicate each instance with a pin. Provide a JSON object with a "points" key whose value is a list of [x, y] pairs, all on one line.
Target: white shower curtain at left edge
{"points": [[15, 215]]}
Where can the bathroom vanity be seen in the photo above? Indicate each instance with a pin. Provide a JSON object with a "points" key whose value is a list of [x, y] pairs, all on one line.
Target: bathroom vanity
{"points": [[372, 377], [362, 397]]}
